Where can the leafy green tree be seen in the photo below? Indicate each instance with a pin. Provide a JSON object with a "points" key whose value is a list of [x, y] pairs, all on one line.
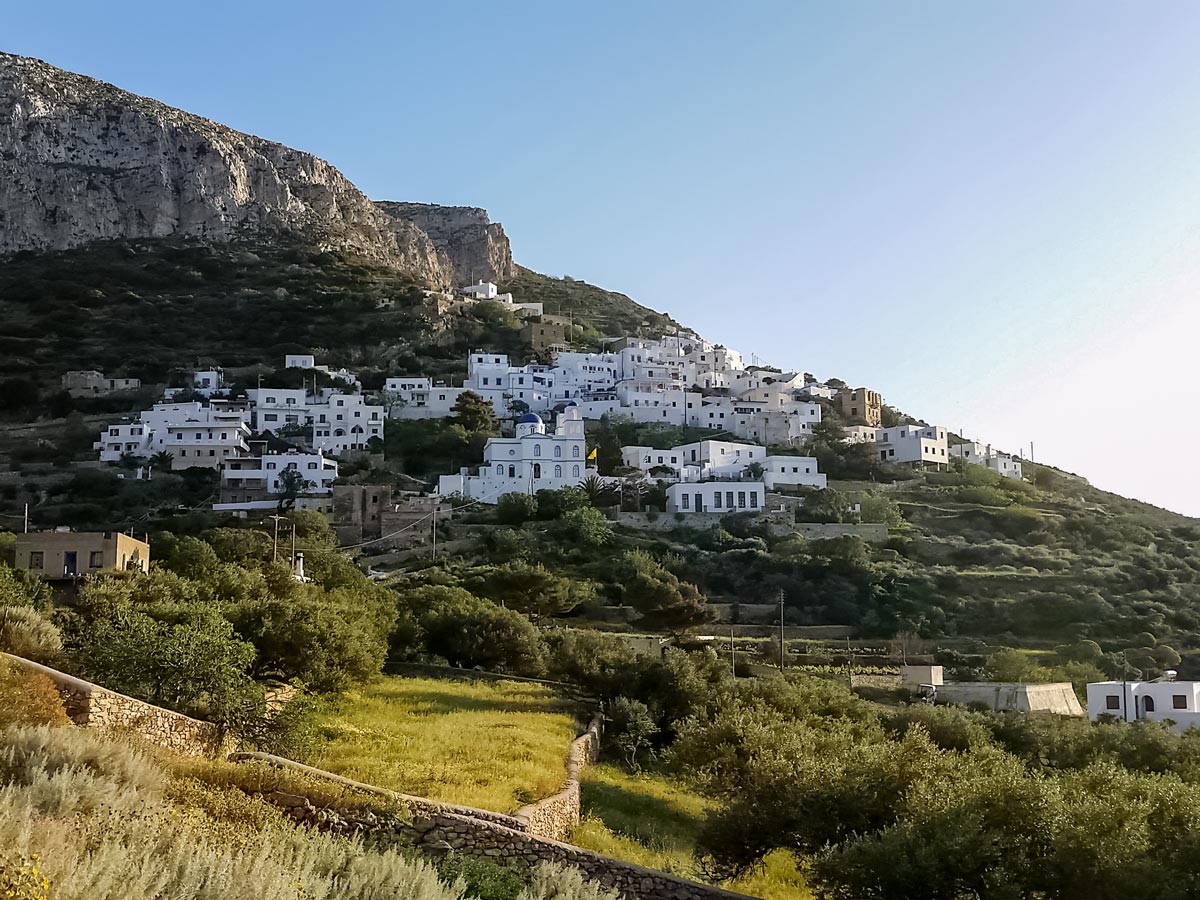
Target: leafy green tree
{"points": [[475, 414], [531, 589], [515, 509], [584, 527], [292, 484], [663, 600], [630, 728], [471, 632], [198, 667]]}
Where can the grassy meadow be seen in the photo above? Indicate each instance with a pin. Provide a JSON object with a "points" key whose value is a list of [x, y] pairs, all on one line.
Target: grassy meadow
{"points": [[653, 821], [493, 745]]}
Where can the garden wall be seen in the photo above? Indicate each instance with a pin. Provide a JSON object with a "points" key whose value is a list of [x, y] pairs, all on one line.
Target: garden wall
{"points": [[92, 706], [534, 834]]}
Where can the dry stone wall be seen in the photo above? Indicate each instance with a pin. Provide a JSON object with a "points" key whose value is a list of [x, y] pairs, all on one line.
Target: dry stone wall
{"points": [[91, 706], [555, 816]]}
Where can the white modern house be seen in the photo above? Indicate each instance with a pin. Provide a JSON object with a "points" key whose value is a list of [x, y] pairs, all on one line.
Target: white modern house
{"points": [[339, 421], [485, 290], [533, 460], [913, 444], [253, 482], [716, 497], [987, 456], [194, 433], [1156, 701], [797, 471]]}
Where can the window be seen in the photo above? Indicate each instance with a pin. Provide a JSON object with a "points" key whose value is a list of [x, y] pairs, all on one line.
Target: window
{"points": [[575, 451], [716, 499], [96, 559], [1148, 704], [37, 559], [512, 472], [1179, 701], [741, 499], [499, 470], [683, 499], [575, 471], [729, 499], [557, 452], [753, 500], [312, 465], [537, 449], [558, 471], [271, 465], [1112, 701], [270, 417]]}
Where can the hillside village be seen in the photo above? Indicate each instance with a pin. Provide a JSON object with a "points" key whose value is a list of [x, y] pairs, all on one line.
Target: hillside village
{"points": [[758, 421]]}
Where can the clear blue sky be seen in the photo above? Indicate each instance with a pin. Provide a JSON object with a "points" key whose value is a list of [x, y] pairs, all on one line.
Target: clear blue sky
{"points": [[988, 211]]}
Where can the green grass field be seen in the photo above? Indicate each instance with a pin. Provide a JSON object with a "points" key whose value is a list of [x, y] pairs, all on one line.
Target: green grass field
{"points": [[653, 821], [493, 745]]}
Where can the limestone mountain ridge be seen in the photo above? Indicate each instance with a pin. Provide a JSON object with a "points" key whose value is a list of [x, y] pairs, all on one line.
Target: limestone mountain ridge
{"points": [[82, 160]]}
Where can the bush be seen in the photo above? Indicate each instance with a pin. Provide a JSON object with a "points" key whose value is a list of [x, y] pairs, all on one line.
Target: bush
{"points": [[630, 729], [28, 697], [26, 632], [515, 509], [470, 632]]}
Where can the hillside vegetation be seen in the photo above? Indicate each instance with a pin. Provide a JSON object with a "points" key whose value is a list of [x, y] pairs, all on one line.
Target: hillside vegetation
{"points": [[495, 746]]}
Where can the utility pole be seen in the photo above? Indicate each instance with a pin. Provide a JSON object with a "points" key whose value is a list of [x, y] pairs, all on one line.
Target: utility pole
{"points": [[732, 653], [27, 518], [293, 546], [275, 539], [435, 507], [781, 648]]}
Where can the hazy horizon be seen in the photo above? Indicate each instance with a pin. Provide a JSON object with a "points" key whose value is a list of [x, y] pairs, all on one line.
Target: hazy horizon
{"points": [[990, 214]]}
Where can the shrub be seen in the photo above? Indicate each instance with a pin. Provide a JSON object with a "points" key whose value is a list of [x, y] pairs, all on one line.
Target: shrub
{"points": [[471, 632], [28, 698], [26, 632], [630, 728], [514, 509]]}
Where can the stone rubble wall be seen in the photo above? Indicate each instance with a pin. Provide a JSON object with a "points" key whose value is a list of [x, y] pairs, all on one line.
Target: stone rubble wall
{"points": [[445, 832], [555, 816], [91, 706]]}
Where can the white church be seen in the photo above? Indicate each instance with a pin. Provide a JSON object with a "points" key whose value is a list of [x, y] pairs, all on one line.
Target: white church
{"points": [[534, 460]]}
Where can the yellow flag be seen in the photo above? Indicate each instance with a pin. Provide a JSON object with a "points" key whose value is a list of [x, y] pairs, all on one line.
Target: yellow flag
{"points": [[592, 455]]}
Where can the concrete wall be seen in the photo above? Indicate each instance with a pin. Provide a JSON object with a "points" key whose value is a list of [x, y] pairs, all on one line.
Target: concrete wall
{"points": [[91, 706]]}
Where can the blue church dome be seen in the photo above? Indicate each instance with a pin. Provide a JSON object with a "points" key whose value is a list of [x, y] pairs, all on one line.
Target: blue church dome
{"points": [[530, 419], [570, 403]]}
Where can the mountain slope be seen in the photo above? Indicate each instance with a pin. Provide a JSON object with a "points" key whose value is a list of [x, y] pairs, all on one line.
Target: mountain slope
{"points": [[81, 160]]}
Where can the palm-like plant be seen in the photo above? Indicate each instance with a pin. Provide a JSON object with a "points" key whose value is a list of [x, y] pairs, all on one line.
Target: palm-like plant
{"points": [[599, 493], [162, 459]]}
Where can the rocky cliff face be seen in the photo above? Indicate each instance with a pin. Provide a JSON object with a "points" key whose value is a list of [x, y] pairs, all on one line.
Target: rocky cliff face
{"points": [[475, 248], [81, 160]]}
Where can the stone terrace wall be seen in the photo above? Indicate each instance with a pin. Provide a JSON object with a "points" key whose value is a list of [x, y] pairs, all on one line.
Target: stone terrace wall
{"points": [[92, 706], [531, 836], [555, 816]]}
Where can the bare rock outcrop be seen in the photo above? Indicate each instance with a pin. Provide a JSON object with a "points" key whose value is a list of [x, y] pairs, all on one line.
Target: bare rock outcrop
{"points": [[475, 248], [81, 160]]}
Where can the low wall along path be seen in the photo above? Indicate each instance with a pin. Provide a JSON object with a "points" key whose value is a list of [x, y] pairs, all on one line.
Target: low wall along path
{"points": [[534, 834]]}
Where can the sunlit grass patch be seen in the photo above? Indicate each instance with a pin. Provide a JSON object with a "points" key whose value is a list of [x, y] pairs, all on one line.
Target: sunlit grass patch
{"points": [[494, 745]]}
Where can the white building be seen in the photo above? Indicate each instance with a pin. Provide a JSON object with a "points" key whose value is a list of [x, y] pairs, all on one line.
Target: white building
{"points": [[193, 433], [485, 290], [531, 461], [339, 422], [985, 455], [1156, 701], [913, 444], [263, 473], [792, 470], [716, 496]]}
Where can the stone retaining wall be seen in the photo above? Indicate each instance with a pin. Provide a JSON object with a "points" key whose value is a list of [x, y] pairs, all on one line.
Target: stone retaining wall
{"points": [[555, 816], [91, 706], [446, 832]]}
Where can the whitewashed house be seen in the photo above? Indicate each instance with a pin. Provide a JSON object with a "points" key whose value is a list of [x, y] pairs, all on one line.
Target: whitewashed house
{"points": [[532, 460], [1155, 701], [915, 444], [985, 455], [253, 482], [716, 497], [344, 422], [797, 471], [485, 290], [195, 434]]}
